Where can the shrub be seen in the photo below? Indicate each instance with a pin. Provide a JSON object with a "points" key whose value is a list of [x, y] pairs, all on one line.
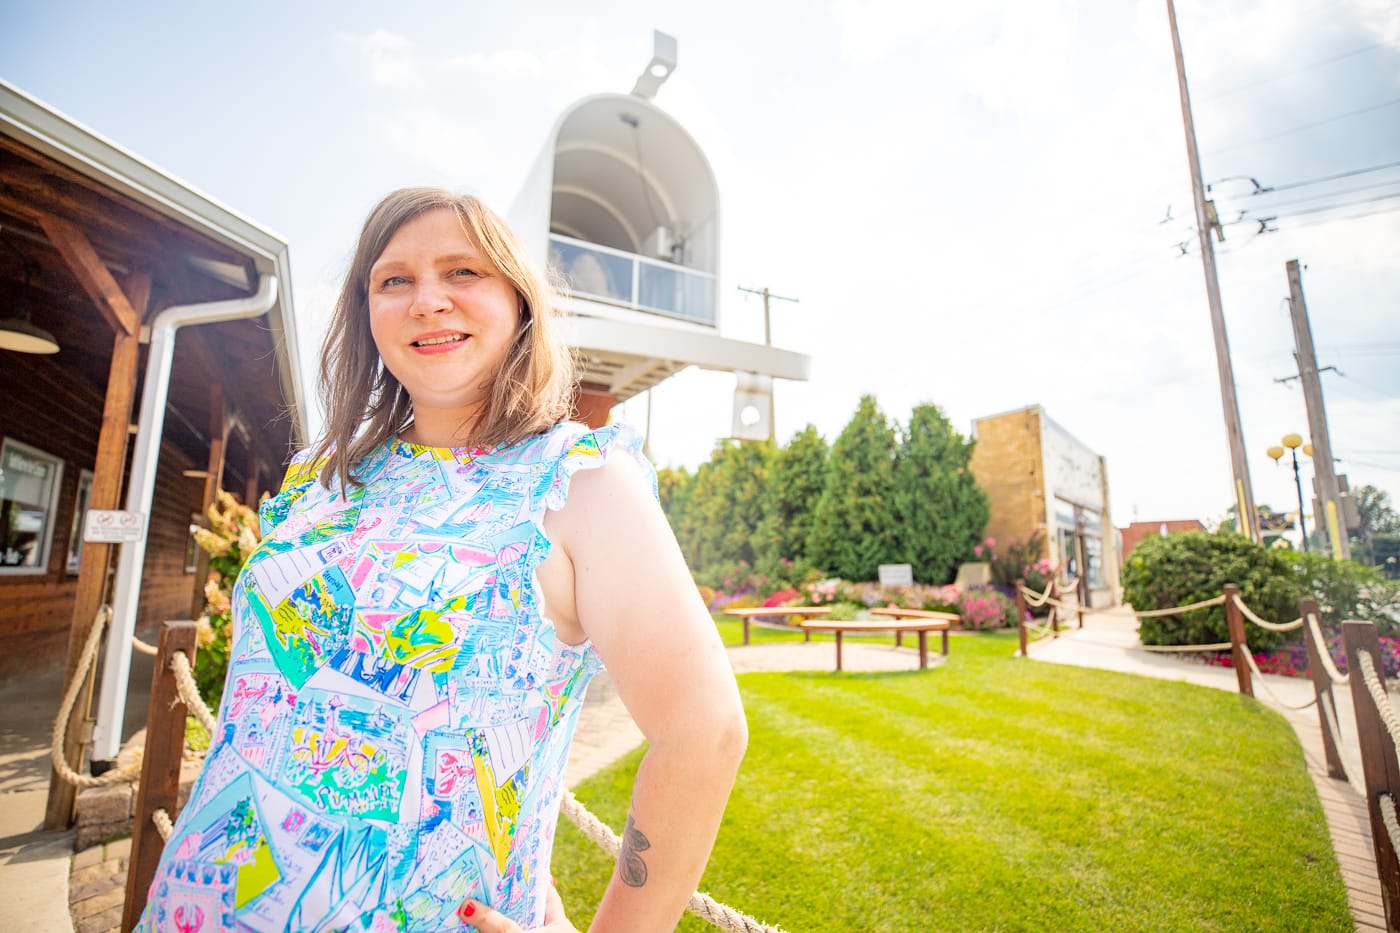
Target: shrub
{"points": [[232, 535], [1187, 568], [983, 607], [707, 594], [1017, 560], [1345, 589]]}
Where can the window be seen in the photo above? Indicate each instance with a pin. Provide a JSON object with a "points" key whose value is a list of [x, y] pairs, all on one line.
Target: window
{"points": [[75, 534], [29, 481]]}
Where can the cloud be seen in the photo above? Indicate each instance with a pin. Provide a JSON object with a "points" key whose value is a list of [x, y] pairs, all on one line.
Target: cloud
{"points": [[390, 59], [504, 64]]}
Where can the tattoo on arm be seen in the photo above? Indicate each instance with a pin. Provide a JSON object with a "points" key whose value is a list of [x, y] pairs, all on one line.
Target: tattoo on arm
{"points": [[630, 866]]}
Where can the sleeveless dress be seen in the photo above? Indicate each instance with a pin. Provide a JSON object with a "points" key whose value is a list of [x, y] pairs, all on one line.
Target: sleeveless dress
{"points": [[398, 710]]}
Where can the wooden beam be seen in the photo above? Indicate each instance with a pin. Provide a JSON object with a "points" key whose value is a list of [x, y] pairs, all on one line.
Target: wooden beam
{"points": [[107, 475], [82, 259]]}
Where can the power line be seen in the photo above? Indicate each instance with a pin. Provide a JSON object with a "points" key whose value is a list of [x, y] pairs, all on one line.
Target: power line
{"points": [[1330, 220], [1267, 189], [1301, 68], [1306, 126], [1332, 207], [1300, 199]]}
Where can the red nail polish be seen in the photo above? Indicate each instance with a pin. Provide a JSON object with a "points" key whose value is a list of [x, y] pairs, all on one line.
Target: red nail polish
{"points": [[467, 910]]}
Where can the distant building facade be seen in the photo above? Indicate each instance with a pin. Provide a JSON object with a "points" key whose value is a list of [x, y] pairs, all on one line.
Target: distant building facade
{"points": [[1039, 478], [1136, 531]]}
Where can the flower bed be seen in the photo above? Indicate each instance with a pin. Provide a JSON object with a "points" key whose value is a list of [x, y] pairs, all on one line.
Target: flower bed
{"points": [[1292, 659]]}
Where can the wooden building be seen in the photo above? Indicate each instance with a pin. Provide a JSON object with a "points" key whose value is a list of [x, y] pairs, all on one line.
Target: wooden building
{"points": [[99, 251]]}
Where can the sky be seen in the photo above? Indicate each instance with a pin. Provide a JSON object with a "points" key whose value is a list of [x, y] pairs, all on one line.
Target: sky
{"points": [[980, 205]]}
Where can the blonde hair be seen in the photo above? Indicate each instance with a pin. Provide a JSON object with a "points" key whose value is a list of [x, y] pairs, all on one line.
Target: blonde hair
{"points": [[366, 406]]}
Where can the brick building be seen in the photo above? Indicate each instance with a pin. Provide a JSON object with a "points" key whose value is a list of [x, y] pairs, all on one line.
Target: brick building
{"points": [[1040, 478], [1136, 531]]}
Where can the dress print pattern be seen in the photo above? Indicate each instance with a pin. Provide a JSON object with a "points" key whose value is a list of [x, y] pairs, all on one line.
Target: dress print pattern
{"points": [[398, 712]]}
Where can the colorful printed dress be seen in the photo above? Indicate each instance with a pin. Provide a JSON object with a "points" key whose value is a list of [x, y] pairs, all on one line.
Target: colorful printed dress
{"points": [[398, 713]]}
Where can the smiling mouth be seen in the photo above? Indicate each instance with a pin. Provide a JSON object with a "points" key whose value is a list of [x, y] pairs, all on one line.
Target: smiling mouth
{"points": [[438, 341]]}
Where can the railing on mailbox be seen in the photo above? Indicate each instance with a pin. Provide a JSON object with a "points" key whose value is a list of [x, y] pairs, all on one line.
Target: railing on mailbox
{"points": [[617, 277]]}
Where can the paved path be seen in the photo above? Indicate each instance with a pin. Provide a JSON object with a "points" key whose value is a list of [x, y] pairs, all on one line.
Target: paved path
{"points": [[38, 869]]}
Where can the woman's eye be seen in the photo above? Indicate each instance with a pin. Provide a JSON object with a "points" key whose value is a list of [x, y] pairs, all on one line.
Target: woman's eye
{"points": [[392, 280], [464, 273]]}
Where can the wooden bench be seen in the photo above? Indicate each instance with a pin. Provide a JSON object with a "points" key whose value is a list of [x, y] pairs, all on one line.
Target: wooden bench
{"points": [[894, 612], [921, 624], [762, 612]]}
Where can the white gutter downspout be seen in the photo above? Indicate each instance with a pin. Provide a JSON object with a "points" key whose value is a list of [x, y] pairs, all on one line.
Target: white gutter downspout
{"points": [[106, 736]]}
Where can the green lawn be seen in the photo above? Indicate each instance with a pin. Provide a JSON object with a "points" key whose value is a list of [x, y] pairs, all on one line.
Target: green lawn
{"points": [[994, 793]]}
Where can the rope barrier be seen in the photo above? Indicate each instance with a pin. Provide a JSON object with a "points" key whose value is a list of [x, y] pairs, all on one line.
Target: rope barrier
{"points": [[189, 691], [1263, 623], [1392, 826], [1213, 601], [163, 824], [1034, 598], [1249, 659], [65, 709], [1167, 649], [702, 905], [1329, 712], [142, 647], [1337, 677], [1373, 685]]}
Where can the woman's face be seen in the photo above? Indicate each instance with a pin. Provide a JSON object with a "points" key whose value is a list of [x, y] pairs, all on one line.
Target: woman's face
{"points": [[442, 316]]}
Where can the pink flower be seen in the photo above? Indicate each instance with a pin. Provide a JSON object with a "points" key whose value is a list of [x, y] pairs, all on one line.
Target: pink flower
{"points": [[977, 550], [991, 542]]}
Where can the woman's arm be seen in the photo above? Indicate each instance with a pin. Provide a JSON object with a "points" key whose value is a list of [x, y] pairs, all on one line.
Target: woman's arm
{"points": [[636, 601]]}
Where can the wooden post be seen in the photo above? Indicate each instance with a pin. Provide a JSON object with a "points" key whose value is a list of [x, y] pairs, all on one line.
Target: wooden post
{"points": [[1020, 615], [109, 468], [1238, 645], [1322, 688], [1378, 762], [1055, 595], [160, 767]]}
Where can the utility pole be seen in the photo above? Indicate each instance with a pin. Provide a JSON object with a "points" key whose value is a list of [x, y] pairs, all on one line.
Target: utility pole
{"points": [[768, 341], [1328, 489], [1206, 222]]}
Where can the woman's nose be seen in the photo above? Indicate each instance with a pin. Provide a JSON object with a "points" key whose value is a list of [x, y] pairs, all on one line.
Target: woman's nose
{"points": [[429, 298]]}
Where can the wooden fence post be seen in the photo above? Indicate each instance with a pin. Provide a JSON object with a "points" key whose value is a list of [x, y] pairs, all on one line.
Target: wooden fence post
{"points": [[1238, 645], [160, 767], [1055, 595], [1378, 762], [1021, 613], [1322, 688]]}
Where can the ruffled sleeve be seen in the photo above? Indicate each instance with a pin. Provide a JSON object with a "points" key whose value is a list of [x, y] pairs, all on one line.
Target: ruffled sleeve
{"points": [[584, 448], [301, 473]]}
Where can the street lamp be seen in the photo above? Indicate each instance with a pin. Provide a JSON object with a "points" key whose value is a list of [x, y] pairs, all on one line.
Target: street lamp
{"points": [[1293, 442]]}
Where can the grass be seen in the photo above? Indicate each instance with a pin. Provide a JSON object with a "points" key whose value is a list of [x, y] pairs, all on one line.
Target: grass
{"points": [[995, 793]]}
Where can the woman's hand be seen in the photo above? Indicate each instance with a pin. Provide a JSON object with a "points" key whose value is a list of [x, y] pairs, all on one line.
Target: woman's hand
{"points": [[478, 916]]}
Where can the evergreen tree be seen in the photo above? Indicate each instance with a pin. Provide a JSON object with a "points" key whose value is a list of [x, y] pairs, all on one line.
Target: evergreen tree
{"points": [[852, 526], [794, 484], [940, 511], [725, 506], [673, 486]]}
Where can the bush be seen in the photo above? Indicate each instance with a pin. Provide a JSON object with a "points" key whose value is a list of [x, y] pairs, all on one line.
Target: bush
{"points": [[1345, 589], [232, 535], [1187, 568], [983, 607], [1016, 560]]}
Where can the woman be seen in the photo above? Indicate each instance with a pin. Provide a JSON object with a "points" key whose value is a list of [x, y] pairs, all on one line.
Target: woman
{"points": [[439, 577]]}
